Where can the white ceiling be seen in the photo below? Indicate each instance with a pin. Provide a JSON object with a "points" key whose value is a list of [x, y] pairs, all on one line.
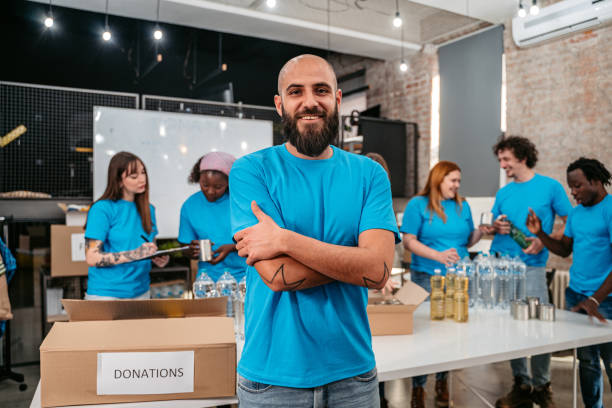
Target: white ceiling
{"points": [[360, 27]]}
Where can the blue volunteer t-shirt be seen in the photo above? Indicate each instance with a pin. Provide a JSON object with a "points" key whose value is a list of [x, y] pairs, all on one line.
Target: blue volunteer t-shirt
{"points": [[315, 336], [545, 196], [591, 230], [201, 219], [432, 231], [118, 225]]}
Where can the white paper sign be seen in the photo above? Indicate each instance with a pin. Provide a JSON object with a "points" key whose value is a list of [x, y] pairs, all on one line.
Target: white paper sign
{"points": [[78, 247], [145, 373]]}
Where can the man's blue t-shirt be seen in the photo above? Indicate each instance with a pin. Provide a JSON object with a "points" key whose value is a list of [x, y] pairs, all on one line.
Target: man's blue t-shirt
{"points": [[432, 231], [201, 219], [315, 336], [118, 225], [591, 230], [545, 196]]}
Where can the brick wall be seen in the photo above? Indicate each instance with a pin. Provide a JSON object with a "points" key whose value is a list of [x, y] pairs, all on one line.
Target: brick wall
{"points": [[402, 95], [559, 94]]}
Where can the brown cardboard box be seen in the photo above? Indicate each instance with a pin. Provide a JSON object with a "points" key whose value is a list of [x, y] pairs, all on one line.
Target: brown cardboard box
{"points": [[74, 354], [62, 256], [389, 319], [84, 310]]}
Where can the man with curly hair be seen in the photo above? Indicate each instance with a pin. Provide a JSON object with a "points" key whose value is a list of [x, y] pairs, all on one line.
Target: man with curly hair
{"points": [[517, 157]]}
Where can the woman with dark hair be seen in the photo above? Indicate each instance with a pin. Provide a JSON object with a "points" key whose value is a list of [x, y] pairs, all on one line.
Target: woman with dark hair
{"points": [[119, 234], [437, 228], [206, 215]]}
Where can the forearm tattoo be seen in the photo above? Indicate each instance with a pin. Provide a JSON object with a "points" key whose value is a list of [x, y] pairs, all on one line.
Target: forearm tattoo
{"points": [[372, 284], [112, 258], [286, 285]]}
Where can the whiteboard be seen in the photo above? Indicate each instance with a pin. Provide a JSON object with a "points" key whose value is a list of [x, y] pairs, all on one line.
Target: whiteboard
{"points": [[169, 144]]}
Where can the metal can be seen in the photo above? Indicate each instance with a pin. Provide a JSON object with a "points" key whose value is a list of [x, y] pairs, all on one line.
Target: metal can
{"points": [[205, 250], [533, 303], [514, 306], [522, 311], [546, 311]]}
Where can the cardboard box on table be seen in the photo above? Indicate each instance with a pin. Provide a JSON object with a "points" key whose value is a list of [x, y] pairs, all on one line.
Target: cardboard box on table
{"points": [[74, 353], [391, 319]]}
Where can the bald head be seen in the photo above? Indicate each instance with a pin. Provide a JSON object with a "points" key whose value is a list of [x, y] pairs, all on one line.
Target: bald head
{"points": [[305, 61]]}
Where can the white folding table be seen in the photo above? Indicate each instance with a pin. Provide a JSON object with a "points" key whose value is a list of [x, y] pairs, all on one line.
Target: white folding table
{"points": [[488, 337]]}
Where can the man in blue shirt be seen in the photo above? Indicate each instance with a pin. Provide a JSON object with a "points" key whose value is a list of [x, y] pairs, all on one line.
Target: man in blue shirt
{"points": [[518, 157], [316, 225], [588, 234]]}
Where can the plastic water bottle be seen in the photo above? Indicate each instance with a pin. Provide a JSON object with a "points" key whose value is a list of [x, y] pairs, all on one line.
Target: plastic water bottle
{"points": [[239, 309], [514, 278], [242, 287], [436, 298], [520, 278], [502, 278], [198, 285], [204, 286], [449, 304], [227, 286], [468, 267], [486, 277], [478, 291], [461, 297]]}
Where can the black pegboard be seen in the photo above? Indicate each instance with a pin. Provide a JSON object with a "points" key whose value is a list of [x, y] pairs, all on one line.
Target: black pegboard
{"points": [[51, 157]]}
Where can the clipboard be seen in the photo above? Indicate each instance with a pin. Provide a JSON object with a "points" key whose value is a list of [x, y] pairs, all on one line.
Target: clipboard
{"points": [[166, 252]]}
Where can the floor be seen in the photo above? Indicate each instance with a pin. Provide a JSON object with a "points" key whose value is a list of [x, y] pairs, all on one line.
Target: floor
{"points": [[491, 381]]}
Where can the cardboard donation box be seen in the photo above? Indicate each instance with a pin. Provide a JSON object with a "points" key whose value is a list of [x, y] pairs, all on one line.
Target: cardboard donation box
{"points": [[393, 314], [138, 350], [68, 251]]}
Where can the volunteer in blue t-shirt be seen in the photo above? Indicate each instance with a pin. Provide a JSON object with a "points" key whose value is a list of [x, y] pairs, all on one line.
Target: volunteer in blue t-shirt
{"points": [[316, 225], [206, 215], [588, 234], [518, 157], [120, 233], [438, 229]]}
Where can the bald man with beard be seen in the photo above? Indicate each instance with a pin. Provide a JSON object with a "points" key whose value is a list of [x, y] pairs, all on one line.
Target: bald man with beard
{"points": [[316, 226]]}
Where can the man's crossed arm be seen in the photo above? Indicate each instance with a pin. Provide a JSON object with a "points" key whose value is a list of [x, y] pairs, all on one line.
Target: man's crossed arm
{"points": [[288, 261]]}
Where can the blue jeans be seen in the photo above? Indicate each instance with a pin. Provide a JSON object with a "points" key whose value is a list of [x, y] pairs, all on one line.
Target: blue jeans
{"points": [[540, 364], [360, 391], [591, 379], [424, 280]]}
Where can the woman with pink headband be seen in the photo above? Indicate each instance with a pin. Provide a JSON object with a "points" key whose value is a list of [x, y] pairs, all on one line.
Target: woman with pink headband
{"points": [[206, 215]]}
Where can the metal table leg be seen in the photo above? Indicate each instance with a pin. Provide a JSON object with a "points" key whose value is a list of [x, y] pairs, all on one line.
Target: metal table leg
{"points": [[450, 389], [575, 390], [475, 392]]}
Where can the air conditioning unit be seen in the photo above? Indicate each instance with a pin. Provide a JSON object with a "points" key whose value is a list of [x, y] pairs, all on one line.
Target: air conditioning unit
{"points": [[559, 19]]}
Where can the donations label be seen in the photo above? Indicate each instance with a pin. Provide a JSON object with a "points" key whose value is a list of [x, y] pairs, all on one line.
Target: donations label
{"points": [[145, 373]]}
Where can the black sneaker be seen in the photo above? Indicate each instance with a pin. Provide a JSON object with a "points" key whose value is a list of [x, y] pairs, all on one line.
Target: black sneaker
{"points": [[542, 395], [518, 397]]}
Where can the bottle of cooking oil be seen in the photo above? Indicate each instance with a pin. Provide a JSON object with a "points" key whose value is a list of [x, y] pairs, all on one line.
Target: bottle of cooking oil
{"points": [[449, 304], [436, 298], [461, 298]]}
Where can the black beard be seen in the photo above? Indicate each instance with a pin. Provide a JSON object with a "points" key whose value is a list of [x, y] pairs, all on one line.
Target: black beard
{"points": [[311, 142]]}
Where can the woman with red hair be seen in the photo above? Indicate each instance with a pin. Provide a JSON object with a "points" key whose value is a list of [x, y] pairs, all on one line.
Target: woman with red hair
{"points": [[437, 228]]}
